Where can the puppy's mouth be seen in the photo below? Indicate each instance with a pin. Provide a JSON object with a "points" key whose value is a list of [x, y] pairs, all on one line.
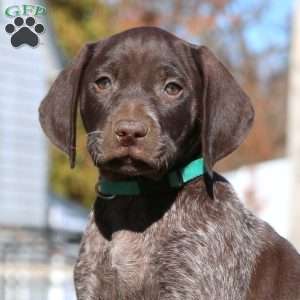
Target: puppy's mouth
{"points": [[129, 164], [131, 161]]}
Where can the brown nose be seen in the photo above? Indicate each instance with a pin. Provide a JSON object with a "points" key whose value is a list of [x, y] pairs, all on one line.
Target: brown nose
{"points": [[129, 131]]}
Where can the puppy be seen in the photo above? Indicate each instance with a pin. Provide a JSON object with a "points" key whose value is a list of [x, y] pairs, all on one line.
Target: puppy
{"points": [[159, 112]]}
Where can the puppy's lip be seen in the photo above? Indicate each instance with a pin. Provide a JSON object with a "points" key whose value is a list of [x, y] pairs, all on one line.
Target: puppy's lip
{"points": [[127, 161], [129, 164], [129, 156]]}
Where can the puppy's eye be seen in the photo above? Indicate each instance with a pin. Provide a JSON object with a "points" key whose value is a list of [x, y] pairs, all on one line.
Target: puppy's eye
{"points": [[103, 83], [173, 89]]}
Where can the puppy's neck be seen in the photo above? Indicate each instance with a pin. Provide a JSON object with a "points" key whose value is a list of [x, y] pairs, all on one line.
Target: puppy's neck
{"points": [[131, 213], [138, 213]]}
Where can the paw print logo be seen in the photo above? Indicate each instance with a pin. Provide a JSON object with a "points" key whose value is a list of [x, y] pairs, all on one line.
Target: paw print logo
{"points": [[22, 34]]}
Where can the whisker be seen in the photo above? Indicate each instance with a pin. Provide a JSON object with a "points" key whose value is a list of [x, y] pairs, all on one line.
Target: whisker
{"points": [[93, 132], [91, 142]]}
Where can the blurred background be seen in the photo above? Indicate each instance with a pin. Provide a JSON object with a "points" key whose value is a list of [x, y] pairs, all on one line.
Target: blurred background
{"points": [[44, 205]]}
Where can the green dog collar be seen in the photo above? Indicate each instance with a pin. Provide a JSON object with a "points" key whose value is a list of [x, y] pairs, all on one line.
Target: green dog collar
{"points": [[175, 179]]}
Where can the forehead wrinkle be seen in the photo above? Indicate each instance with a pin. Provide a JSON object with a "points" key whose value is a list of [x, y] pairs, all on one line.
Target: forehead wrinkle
{"points": [[171, 69], [179, 51], [187, 62], [106, 66]]}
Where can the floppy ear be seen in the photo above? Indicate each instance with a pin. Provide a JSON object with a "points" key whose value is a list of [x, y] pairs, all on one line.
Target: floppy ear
{"points": [[58, 109], [227, 110]]}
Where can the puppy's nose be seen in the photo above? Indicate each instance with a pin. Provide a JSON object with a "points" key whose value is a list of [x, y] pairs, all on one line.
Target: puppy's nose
{"points": [[129, 131]]}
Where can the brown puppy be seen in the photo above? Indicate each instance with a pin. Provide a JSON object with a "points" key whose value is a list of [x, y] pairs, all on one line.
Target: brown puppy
{"points": [[152, 103]]}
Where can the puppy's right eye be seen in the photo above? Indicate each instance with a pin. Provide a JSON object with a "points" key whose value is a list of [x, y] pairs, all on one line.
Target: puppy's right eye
{"points": [[103, 83], [173, 89]]}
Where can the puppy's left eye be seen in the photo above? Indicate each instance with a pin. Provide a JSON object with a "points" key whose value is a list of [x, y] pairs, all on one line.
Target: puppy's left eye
{"points": [[173, 89], [103, 83]]}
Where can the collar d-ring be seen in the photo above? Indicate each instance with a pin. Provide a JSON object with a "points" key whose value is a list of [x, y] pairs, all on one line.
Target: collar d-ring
{"points": [[103, 196]]}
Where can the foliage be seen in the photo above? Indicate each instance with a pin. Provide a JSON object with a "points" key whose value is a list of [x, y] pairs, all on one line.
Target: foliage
{"points": [[76, 22], [76, 184]]}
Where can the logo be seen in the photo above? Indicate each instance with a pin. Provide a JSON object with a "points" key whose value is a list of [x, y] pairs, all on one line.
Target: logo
{"points": [[25, 30]]}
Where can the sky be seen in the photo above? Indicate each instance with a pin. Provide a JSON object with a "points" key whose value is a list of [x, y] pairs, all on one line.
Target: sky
{"points": [[270, 31]]}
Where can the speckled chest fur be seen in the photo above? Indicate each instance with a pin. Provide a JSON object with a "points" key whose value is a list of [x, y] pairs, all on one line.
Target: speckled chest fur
{"points": [[184, 255]]}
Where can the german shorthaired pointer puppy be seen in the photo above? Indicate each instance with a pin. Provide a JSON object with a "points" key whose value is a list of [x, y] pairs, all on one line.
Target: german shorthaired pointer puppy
{"points": [[159, 112]]}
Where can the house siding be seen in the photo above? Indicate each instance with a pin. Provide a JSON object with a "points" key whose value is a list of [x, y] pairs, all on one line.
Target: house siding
{"points": [[24, 81]]}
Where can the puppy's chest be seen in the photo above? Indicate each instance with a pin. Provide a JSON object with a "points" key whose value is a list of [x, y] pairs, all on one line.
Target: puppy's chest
{"points": [[140, 267], [130, 264]]}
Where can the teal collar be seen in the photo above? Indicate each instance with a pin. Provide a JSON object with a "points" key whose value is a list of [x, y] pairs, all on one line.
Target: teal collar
{"points": [[175, 179]]}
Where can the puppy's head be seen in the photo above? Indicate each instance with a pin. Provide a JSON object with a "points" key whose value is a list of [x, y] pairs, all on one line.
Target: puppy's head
{"points": [[149, 101]]}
